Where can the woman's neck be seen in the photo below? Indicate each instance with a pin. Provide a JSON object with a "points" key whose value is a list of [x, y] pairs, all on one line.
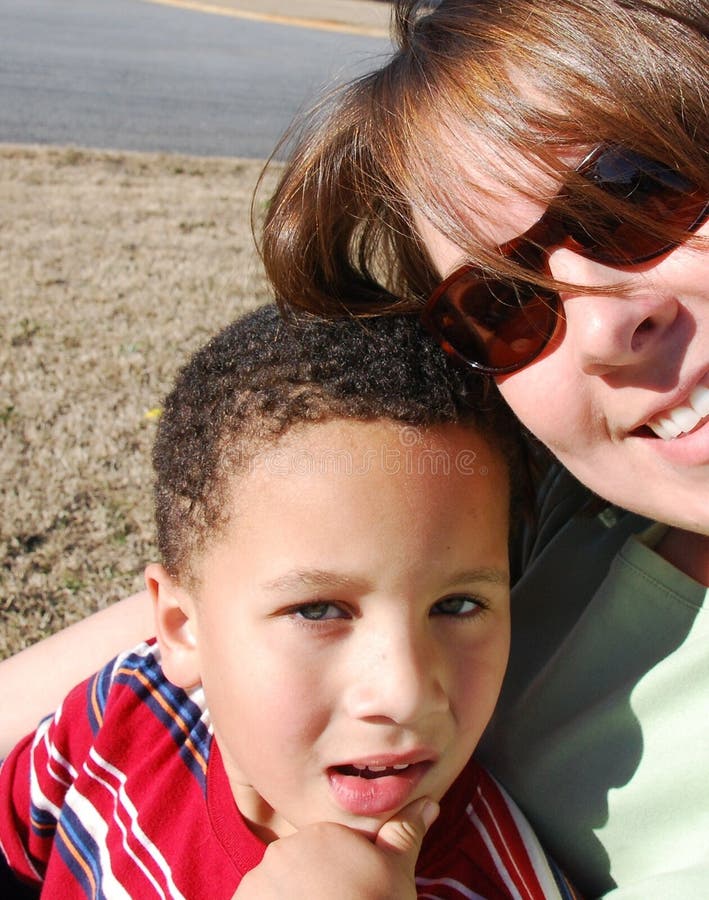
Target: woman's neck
{"points": [[688, 551]]}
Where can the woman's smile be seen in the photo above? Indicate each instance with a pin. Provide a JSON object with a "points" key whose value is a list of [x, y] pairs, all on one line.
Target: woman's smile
{"points": [[684, 417]]}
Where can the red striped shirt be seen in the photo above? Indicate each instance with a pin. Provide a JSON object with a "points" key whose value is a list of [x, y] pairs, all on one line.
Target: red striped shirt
{"points": [[123, 794]]}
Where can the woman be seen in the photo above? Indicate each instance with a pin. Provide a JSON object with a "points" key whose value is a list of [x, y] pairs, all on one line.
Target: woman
{"points": [[548, 161]]}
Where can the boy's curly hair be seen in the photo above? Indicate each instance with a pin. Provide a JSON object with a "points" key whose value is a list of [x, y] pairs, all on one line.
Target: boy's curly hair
{"points": [[265, 373]]}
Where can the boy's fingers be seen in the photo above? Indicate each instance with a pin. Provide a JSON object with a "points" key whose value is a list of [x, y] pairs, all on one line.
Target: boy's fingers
{"points": [[404, 832]]}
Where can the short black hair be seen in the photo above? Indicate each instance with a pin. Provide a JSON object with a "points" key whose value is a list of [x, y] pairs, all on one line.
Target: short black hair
{"points": [[267, 372]]}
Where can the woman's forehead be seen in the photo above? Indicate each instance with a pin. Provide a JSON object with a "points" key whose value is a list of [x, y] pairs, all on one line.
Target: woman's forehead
{"points": [[485, 209], [444, 254], [486, 193]]}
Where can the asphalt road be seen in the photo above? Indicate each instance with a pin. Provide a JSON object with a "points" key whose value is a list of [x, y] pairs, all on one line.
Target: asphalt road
{"points": [[126, 74]]}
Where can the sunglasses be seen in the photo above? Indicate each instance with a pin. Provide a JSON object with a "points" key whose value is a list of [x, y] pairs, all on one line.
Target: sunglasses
{"points": [[498, 325]]}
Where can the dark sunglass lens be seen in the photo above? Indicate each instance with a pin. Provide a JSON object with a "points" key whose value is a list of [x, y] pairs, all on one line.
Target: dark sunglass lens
{"points": [[525, 334], [493, 325], [654, 190]]}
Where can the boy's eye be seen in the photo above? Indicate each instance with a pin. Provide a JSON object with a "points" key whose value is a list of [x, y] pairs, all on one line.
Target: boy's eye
{"points": [[458, 605], [317, 612]]}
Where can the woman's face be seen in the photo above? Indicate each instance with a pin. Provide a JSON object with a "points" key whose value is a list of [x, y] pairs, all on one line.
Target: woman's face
{"points": [[621, 393]]}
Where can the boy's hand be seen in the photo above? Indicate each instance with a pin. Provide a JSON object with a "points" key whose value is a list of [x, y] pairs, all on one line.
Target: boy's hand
{"points": [[327, 860]]}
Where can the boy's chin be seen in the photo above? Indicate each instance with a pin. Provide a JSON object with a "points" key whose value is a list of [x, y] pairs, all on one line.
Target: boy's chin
{"points": [[369, 831]]}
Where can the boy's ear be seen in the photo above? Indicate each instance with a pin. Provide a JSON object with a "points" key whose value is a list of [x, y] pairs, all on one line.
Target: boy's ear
{"points": [[175, 627]]}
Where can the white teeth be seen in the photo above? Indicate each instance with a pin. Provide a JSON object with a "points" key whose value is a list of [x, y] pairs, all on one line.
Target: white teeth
{"points": [[377, 768], [359, 768], [671, 427], [402, 766], [660, 431], [699, 400], [682, 419]]}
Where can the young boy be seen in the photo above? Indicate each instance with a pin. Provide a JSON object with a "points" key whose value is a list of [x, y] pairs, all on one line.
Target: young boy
{"points": [[332, 624]]}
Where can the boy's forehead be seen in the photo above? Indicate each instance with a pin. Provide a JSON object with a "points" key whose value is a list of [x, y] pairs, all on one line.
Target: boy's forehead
{"points": [[346, 446], [347, 457], [312, 502]]}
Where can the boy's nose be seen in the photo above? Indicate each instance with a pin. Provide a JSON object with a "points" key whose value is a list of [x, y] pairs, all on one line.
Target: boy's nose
{"points": [[609, 331], [397, 679]]}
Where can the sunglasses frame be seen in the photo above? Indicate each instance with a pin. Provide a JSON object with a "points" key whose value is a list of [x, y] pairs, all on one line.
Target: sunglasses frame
{"points": [[530, 250]]}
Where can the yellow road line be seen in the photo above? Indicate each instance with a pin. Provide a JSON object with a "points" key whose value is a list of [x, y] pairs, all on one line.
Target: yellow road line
{"points": [[293, 21]]}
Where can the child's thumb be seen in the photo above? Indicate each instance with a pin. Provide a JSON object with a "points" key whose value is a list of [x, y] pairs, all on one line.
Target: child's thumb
{"points": [[404, 832]]}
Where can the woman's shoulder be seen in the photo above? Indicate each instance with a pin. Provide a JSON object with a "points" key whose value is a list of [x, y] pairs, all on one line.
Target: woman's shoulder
{"points": [[568, 514]]}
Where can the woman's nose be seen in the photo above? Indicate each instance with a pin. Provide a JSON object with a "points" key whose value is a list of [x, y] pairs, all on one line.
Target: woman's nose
{"points": [[609, 331]]}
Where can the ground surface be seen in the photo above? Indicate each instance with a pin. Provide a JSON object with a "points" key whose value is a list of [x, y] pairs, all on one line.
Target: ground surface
{"points": [[113, 268]]}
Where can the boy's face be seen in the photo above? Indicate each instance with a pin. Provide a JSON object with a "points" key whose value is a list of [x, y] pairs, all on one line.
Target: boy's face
{"points": [[351, 627]]}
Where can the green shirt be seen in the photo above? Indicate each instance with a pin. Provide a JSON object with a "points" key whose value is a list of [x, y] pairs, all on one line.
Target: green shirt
{"points": [[602, 732]]}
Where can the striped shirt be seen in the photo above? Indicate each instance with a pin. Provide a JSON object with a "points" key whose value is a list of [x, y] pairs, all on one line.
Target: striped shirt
{"points": [[122, 795]]}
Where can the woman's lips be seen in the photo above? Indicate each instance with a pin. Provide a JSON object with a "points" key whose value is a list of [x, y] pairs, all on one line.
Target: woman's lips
{"points": [[685, 417], [368, 790], [689, 448]]}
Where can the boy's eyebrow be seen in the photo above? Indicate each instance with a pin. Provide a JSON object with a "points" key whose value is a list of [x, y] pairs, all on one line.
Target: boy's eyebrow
{"points": [[310, 578], [485, 574], [322, 578]]}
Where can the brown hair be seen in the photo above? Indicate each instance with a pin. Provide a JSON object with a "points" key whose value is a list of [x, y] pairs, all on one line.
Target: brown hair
{"points": [[528, 77]]}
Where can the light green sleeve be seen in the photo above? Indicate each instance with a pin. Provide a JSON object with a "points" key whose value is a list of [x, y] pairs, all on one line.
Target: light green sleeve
{"points": [[602, 734]]}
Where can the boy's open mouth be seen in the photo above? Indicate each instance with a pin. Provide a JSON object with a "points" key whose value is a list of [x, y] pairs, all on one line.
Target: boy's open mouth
{"points": [[367, 790], [372, 771]]}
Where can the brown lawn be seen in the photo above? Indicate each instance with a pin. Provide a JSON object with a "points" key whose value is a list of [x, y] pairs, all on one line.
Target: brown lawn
{"points": [[113, 268]]}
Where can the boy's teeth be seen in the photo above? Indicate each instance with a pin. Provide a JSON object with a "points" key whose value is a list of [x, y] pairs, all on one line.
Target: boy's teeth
{"points": [[683, 418], [398, 767]]}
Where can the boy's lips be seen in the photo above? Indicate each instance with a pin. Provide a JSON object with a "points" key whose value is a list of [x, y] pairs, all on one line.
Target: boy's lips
{"points": [[367, 788]]}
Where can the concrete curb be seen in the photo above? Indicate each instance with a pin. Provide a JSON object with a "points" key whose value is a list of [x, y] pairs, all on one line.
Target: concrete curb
{"points": [[365, 17]]}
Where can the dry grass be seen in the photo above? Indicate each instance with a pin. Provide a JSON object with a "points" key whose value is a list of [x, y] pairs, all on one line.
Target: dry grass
{"points": [[113, 267]]}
